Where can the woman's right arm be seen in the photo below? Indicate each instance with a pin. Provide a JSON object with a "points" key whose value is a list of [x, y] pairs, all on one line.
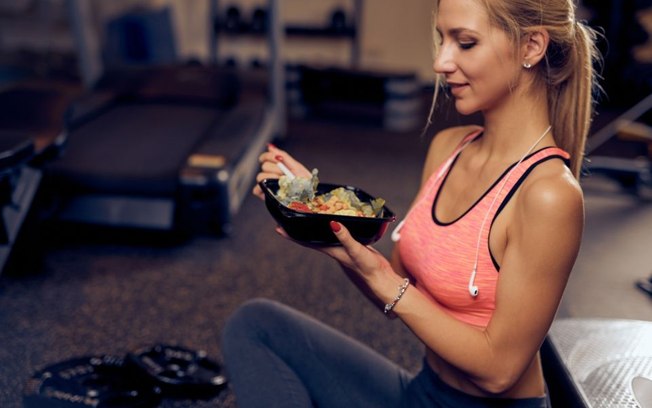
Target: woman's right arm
{"points": [[269, 170]]}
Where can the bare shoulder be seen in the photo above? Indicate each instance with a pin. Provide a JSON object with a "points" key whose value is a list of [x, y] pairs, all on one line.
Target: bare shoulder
{"points": [[442, 146], [552, 192]]}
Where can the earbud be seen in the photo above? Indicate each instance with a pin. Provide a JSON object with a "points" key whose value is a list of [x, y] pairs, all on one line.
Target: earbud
{"points": [[396, 234], [473, 289]]}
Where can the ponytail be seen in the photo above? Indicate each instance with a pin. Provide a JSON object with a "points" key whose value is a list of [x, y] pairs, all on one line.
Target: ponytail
{"points": [[570, 92]]}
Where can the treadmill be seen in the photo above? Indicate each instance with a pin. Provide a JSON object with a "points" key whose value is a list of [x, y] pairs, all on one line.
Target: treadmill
{"points": [[172, 147], [31, 133]]}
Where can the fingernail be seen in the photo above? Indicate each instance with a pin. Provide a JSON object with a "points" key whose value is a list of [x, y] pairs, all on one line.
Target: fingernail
{"points": [[272, 145], [335, 226], [278, 157]]}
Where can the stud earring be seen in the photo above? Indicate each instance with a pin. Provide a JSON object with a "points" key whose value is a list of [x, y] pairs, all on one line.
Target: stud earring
{"points": [[527, 65]]}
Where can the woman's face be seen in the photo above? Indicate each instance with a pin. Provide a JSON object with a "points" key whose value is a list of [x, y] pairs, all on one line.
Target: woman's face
{"points": [[475, 58]]}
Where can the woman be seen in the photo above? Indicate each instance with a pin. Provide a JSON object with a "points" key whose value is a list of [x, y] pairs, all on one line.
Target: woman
{"points": [[486, 249]]}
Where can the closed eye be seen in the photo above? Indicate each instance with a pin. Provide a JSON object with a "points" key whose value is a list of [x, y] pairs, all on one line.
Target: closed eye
{"points": [[467, 45]]}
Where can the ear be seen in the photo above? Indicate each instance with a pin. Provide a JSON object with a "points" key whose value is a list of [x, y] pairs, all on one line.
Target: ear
{"points": [[535, 45]]}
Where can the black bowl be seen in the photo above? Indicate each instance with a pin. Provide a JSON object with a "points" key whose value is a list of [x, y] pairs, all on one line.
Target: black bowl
{"points": [[315, 228]]}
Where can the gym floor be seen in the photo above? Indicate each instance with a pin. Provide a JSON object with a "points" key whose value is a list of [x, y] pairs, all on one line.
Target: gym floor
{"points": [[98, 292]]}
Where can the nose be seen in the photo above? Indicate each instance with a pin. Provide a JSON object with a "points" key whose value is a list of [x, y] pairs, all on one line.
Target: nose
{"points": [[444, 62]]}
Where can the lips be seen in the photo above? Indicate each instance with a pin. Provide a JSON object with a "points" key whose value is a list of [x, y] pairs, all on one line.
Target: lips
{"points": [[456, 88]]}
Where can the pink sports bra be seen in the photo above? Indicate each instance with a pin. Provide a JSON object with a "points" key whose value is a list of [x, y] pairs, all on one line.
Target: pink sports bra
{"points": [[440, 256]]}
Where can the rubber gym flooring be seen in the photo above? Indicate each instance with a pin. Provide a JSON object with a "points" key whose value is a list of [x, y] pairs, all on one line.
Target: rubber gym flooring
{"points": [[96, 292]]}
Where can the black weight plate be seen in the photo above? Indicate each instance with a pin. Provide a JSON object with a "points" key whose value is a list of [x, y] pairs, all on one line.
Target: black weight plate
{"points": [[259, 20], [179, 372], [338, 21], [233, 20], [95, 381]]}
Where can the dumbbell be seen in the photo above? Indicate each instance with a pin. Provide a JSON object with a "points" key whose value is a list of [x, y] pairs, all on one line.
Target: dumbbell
{"points": [[338, 21], [259, 21], [233, 20]]}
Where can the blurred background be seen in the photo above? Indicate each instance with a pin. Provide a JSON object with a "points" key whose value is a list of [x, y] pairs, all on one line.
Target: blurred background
{"points": [[129, 137]]}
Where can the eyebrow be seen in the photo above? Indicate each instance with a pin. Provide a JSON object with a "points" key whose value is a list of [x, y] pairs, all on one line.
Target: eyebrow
{"points": [[457, 30]]}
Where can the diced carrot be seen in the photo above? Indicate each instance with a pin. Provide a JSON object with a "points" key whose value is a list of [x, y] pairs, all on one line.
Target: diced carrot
{"points": [[299, 206]]}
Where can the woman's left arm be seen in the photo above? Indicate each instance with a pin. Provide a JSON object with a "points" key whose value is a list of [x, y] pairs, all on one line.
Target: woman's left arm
{"points": [[542, 244]]}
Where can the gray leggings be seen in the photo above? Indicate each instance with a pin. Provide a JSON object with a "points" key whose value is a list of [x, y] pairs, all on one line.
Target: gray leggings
{"points": [[276, 356]]}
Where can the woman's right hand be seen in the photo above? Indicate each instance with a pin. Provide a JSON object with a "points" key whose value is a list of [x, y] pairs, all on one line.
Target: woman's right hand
{"points": [[269, 169]]}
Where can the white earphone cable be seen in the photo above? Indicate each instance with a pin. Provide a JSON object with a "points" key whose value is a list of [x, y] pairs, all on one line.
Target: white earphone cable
{"points": [[473, 289]]}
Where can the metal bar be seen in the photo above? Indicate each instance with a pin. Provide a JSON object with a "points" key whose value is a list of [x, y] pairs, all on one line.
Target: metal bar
{"points": [[213, 15], [604, 134], [357, 26], [86, 41], [276, 36]]}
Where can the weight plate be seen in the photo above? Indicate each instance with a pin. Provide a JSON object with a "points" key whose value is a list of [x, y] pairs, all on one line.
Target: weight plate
{"points": [[179, 372], [95, 381], [259, 20]]}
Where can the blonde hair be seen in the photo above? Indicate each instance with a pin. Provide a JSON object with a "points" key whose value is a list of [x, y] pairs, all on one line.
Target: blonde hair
{"points": [[567, 71]]}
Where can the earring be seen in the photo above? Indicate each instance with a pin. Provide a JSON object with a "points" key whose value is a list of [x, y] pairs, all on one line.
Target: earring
{"points": [[527, 65]]}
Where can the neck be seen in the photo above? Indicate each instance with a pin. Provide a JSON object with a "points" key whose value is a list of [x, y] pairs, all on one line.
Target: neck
{"points": [[512, 128]]}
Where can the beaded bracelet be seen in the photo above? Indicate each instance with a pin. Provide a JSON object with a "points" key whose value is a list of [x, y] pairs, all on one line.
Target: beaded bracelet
{"points": [[401, 291]]}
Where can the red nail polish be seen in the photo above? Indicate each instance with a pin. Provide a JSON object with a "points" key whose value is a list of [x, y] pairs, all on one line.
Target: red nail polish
{"points": [[335, 226], [278, 157], [271, 145]]}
